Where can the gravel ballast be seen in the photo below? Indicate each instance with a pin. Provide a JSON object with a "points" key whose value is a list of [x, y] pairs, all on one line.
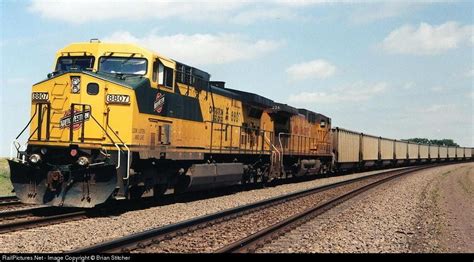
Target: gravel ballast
{"points": [[216, 236], [72, 235], [431, 211]]}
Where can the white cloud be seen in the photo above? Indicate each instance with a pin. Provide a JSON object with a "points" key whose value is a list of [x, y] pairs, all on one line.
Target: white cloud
{"points": [[318, 68], [299, 3], [356, 92], [261, 14], [438, 109], [439, 89], [15, 81], [83, 11], [470, 73], [214, 11], [200, 49], [427, 39], [381, 10], [440, 120], [409, 85]]}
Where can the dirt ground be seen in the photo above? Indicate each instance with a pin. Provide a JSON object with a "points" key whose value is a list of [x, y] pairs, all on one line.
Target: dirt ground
{"points": [[431, 211], [450, 213]]}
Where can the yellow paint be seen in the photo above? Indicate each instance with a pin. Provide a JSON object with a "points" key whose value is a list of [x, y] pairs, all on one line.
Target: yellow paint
{"points": [[226, 128]]}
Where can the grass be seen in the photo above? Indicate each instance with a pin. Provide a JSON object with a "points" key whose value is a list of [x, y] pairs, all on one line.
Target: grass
{"points": [[465, 182], [5, 184], [447, 173]]}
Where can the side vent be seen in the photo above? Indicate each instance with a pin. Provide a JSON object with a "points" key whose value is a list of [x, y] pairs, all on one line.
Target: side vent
{"points": [[152, 141], [166, 134]]}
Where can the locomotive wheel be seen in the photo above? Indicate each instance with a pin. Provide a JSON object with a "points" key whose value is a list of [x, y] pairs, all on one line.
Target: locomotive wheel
{"points": [[182, 184], [136, 192], [159, 190]]}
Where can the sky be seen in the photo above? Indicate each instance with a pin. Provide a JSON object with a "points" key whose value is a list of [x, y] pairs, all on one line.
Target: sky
{"points": [[397, 69]]}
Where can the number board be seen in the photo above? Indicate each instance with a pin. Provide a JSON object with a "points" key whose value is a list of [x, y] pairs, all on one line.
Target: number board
{"points": [[40, 96], [117, 99]]}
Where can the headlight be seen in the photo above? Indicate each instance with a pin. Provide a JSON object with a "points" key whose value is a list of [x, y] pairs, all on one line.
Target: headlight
{"points": [[83, 161], [35, 158], [75, 84]]}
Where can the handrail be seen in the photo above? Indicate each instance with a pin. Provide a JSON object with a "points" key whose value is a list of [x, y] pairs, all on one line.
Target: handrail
{"points": [[126, 147], [276, 149], [39, 127], [29, 122], [76, 52], [270, 142], [18, 136], [116, 145], [281, 145], [11, 148], [118, 153], [128, 161], [125, 53]]}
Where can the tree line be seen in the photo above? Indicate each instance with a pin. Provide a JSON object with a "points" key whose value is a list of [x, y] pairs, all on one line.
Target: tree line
{"points": [[440, 142]]}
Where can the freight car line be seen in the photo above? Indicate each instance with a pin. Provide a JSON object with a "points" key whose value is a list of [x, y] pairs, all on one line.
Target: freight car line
{"points": [[152, 237]]}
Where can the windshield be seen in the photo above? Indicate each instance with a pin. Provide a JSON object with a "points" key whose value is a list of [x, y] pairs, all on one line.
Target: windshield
{"points": [[68, 63], [123, 65]]}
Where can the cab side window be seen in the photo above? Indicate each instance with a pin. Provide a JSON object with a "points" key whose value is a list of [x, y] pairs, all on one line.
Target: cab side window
{"points": [[168, 77], [162, 75]]}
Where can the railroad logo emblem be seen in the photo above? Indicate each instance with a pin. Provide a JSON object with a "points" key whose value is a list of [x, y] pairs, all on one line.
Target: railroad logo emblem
{"points": [[159, 102], [78, 117]]}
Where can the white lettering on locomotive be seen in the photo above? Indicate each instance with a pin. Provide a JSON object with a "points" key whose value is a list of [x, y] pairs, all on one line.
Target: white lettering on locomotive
{"points": [[40, 96], [117, 99], [77, 119]]}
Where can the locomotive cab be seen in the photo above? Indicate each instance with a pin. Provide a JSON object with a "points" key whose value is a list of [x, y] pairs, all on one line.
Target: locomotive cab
{"points": [[77, 153]]}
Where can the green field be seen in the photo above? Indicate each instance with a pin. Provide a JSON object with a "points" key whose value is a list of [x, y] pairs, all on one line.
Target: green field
{"points": [[5, 184]]}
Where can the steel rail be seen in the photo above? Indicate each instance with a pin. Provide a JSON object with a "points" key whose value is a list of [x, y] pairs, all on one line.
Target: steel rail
{"points": [[258, 239], [9, 201], [41, 221], [142, 239], [21, 212]]}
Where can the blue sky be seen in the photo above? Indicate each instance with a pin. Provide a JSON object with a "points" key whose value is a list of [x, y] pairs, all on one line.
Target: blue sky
{"points": [[397, 69]]}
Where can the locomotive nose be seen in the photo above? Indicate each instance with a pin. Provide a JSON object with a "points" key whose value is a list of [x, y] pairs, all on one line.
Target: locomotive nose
{"points": [[63, 186]]}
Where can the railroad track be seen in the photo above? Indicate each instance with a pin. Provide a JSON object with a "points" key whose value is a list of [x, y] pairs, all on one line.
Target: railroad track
{"points": [[28, 218], [246, 228], [39, 216], [6, 201]]}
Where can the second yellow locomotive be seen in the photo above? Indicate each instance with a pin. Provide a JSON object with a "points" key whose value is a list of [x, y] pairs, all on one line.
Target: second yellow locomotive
{"points": [[119, 121]]}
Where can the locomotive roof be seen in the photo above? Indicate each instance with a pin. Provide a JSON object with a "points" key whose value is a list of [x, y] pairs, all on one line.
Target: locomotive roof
{"points": [[225, 92], [278, 107], [127, 48], [254, 99], [105, 48], [307, 113]]}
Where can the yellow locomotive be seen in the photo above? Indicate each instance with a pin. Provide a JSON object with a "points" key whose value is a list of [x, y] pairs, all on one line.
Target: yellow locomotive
{"points": [[119, 121]]}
